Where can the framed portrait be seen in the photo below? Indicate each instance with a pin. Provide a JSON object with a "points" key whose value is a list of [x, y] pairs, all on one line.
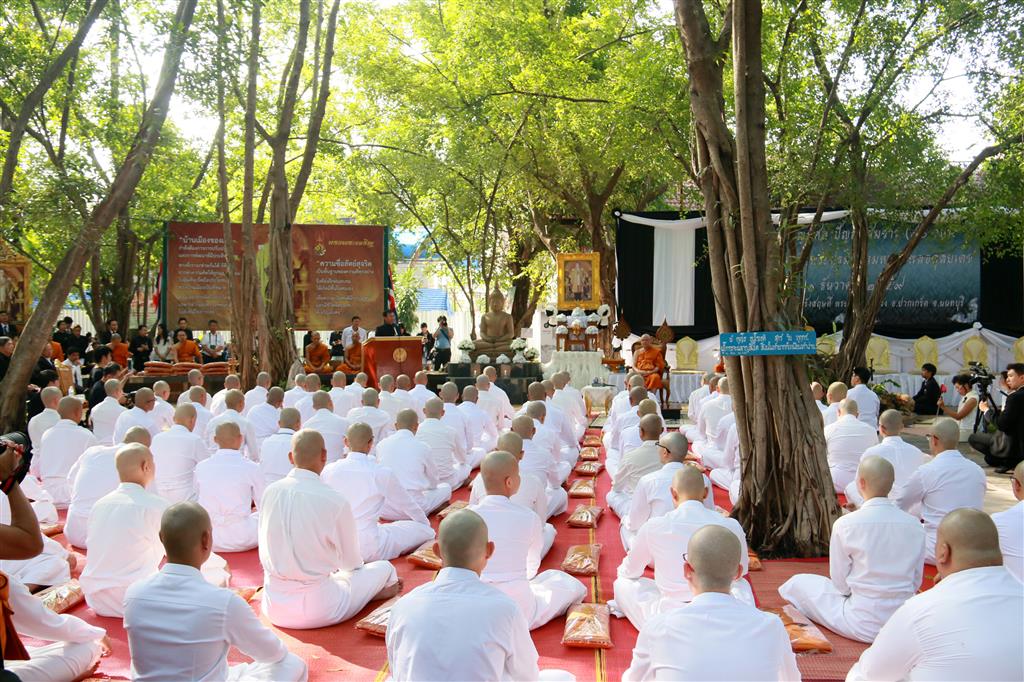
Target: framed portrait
{"points": [[15, 285], [579, 280]]}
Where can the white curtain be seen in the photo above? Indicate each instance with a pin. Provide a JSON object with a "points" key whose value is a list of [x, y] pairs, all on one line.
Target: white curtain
{"points": [[673, 277]]}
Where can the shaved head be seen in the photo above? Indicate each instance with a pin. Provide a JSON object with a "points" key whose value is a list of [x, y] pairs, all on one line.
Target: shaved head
{"points": [[197, 394], [185, 414], [490, 372], [275, 396], [500, 473], [407, 419], [322, 401], [688, 484], [967, 538], [134, 464], [112, 387], [482, 382], [635, 381], [338, 380], [947, 432], [228, 436], [836, 392], [403, 382], [234, 400], [537, 410], [358, 437], [386, 382], [421, 378], [50, 396], [184, 528], [70, 407], [849, 406], [651, 427], [549, 386], [311, 383], [145, 399], [433, 408], [300, 379], [647, 406], [891, 422], [462, 541], [195, 377], [875, 476], [290, 418], [370, 397], [449, 392], [232, 381], [138, 434], [308, 451], [162, 389], [362, 379], [536, 391], [723, 386], [510, 441], [636, 394], [524, 427], [469, 394], [714, 555], [263, 379], [676, 446]]}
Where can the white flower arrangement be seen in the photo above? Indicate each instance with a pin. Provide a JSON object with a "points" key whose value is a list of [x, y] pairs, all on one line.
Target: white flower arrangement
{"points": [[561, 329], [561, 318], [578, 312], [519, 357], [518, 344], [467, 344], [483, 359], [576, 324], [592, 330], [593, 318], [503, 359], [531, 354]]}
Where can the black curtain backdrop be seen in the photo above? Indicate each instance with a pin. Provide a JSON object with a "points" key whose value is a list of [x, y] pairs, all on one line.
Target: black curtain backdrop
{"points": [[1001, 307]]}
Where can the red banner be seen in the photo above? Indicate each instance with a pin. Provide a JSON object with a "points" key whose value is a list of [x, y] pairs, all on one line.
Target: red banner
{"points": [[338, 272]]}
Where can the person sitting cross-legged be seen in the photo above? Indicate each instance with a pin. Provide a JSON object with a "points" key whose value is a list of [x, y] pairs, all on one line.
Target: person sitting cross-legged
{"points": [[314, 574], [541, 463], [968, 626], [643, 460], [227, 486], [457, 627], [412, 461], [177, 452], [663, 541], [876, 560], [1011, 527], [445, 446], [180, 627], [847, 439], [904, 457], [716, 636]]}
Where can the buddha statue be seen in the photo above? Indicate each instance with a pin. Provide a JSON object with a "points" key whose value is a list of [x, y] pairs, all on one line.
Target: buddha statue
{"points": [[497, 329]]}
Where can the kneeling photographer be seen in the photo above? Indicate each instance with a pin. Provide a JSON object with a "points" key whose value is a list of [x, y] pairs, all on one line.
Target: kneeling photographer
{"points": [[20, 539], [1004, 447]]}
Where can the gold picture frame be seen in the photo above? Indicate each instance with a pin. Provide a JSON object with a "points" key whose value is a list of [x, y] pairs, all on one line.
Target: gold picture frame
{"points": [[15, 285], [579, 280]]}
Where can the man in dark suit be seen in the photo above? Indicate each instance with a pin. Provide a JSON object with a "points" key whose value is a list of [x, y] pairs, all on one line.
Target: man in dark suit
{"points": [[926, 401], [6, 350], [389, 327], [1009, 421], [7, 327]]}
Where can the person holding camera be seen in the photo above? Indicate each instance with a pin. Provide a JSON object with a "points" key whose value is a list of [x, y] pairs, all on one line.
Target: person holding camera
{"points": [[1004, 448], [442, 343], [428, 342]]}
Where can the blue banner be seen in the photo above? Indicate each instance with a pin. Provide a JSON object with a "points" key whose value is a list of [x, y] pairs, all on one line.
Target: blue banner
{"points": [[768, 343]]}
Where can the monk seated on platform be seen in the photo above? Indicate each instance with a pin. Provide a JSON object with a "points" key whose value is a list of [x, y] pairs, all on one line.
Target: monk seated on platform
{"points": [[871, 572], [181, 628], [353, 358], [318, 355], [185, 349], [702, 641], [314, 574], [649, 362]]}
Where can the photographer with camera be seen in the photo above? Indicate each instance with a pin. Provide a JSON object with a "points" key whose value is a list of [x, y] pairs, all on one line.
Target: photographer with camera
{"points": [[442, 343], [1005, 447]]}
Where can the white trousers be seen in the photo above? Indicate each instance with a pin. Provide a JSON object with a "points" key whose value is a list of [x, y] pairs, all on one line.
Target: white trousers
{"points": [[640, 599], [545, 597], [734, 491], [817, 598], [564, 468], [475, 456], [47, 568], [237, 534], [431, 500], [291, 668], [549, 539], [558, 501], [109, 600], [619, 502], [397, 538], [75, 527], [569, 454], [57, 662], [626, 536], [723, 477], [46, 511], [335, 598], [710, 456], [693, 434], [458, 477], [841, 478]]}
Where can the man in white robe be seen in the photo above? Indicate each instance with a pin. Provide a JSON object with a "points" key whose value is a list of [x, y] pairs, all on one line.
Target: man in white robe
{"points": [[573, 406], [257, 395], [403, 384], [1010, 524], [620, 402], [876, 561], [847, 438], [93, 477], [449, 395], [228, 486], [369, 412], [198, 399], [231, 383], [41, 423], [702, 640], [662, 541], [506, 405], [374, 492], [904, 457], [275, 462], [234, 404], [265, 415], [412, 461], [968, 626], [62, 445], [343, 399], [566, 427], [636, 464], [709, 428], [867, 400], [195, 380], [545, 439], [419, 393], [176, 452], [103, 417], [358, 386], [835, 394], [949, 481], [482, 433], [728, 473], [458, 627], [51, 566], [180, 627], [123, 536], [163, 411], [542, 464], [445, 445], [332, 427], [76, 646], [628, 417], [518, 539], [391, 401], [139, 415], [693, 403], [312, 385], [297, 392], [488, 401], [314, 574], [630, 439]]}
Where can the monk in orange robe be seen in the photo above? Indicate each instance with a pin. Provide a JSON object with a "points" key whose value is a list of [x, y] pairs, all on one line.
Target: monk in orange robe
{"points": [[649, 361], [186, 350], [353, 359], [118, 350], [318, 355]]}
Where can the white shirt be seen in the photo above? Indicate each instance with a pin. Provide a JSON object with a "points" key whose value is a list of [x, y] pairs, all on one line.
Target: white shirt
{"points": [[162, 414], [420, 394], [293, 395], [532, 493], [305, 406], [264, 418], [274, 456], [482, 431], [663, 541], [635, 464], [377, 419], [92, 476], [457, 420], [103, 418], [623, 422], [967, 627], [715, 637], [333, 428], [630, 439], [711, 412], [203, 419], [876, 556], [343, 401], [444, 446], [568, 403], [517, 534], [124, 539], [257, 395], [394, 402], [697, 396], [217, 402], [183, 396], [867, 404], [176, 453], [653, 497], [61, 447], [350, 336], [136, 416], [370, 489], [1010, 524], [227, 485], [459, 628], [538, 461], [212, 340], [76, 371], [180, 627], [250, 443], [411, 459], [948, 482], [847, 439], [506, 404], [39, 424], [904, 457]]}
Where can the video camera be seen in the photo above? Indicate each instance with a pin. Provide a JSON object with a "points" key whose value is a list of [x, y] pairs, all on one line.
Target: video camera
{"points": [[18, 442], [982, 379]]}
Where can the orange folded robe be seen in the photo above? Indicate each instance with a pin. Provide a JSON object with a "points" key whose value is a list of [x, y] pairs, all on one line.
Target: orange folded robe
{"points": [[317, 357]]}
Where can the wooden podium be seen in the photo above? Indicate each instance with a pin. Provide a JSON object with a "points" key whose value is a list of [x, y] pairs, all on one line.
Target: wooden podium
{"points": [[392, 355]]}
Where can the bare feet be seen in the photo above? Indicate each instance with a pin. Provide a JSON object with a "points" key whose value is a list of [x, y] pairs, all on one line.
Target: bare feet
{"points": [[390, 591], [72, 561]]}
